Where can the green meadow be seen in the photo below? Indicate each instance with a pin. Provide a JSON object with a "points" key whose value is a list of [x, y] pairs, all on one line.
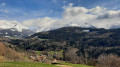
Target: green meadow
{"points": [[28, 64], [76, 65], [24, 64]]}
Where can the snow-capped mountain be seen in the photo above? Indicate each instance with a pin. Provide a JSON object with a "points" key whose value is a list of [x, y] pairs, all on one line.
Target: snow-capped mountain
{"points": [[73, 25], [4, 24], [56, 26], [83, 25], [13, 29]]}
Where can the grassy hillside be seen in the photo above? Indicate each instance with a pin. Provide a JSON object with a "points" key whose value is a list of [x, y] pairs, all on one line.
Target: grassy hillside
{"points": [[9, 54]]}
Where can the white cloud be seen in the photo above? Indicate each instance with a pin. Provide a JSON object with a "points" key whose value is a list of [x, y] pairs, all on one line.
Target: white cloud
{"points": [[5, 24], [97, 10], [107, 20], [109, 14], [41, 23], [74, 11], [3, 4], [98, 17]]}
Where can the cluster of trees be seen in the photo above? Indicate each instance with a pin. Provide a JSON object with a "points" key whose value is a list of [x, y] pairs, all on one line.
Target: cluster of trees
{"points": [[78, 46], [108, 61]]}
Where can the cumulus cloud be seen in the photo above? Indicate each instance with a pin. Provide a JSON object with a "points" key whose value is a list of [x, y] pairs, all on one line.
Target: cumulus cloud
{"points": [[97, 10], [109, 15], [107, 20], [98, 17], [41, 23]]}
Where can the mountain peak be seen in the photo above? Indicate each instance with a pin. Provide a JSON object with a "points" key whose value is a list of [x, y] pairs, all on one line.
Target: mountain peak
{"points": [[73, 25]]}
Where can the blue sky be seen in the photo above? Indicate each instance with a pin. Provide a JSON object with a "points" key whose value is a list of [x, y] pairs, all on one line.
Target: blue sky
{"points": [[21, 10]]}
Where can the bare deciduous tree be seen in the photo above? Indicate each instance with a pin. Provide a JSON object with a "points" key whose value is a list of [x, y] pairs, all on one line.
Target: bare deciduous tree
{"points": [[108, 61]]}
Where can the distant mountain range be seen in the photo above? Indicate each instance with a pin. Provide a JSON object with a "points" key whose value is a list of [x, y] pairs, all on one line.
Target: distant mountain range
{"points": [[72, 24], [15, 29]]}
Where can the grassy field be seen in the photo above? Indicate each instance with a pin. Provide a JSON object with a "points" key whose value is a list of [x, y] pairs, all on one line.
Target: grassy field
{"points": [[26, 64], [76, 65]]}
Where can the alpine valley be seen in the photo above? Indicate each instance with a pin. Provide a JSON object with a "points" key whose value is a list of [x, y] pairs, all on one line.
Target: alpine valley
{"points": [[71, 43]]}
